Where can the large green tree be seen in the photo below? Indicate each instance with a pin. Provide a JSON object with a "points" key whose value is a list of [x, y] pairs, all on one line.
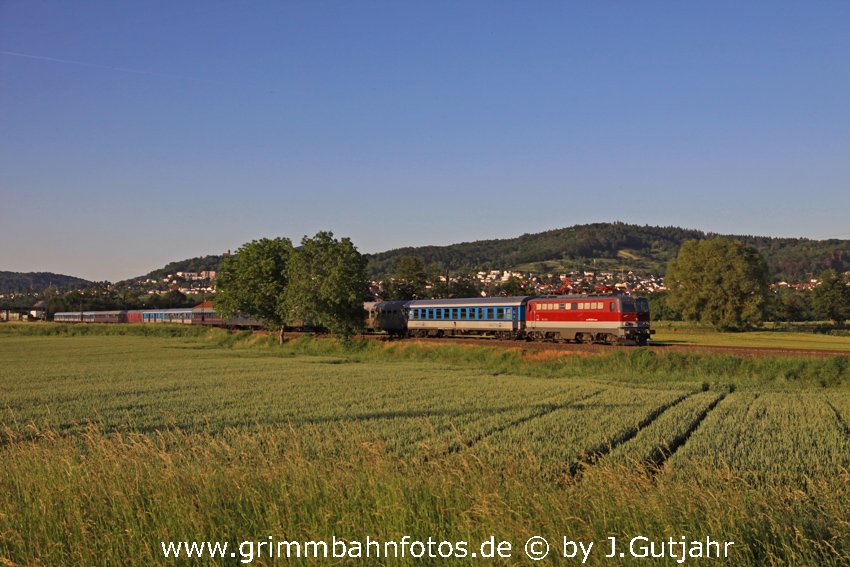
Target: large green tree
{"points": [[327, 285], [409, 279], [720, 282], [252, 282], [831, 297]]}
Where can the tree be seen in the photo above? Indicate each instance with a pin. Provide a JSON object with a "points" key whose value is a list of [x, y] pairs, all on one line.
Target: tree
{"points": [[831, 298], [514, 286], [720, 282], [252, 282], [790, 305], [409, 279], [327, 285], [464, 286]]}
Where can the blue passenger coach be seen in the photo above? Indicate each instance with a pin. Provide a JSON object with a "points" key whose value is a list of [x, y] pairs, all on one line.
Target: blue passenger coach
{"points": [[500, 316]]}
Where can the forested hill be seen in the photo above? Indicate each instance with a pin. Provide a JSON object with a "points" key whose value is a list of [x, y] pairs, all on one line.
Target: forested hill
{"points": [[645, 249], [615, 246], [35, 281]]}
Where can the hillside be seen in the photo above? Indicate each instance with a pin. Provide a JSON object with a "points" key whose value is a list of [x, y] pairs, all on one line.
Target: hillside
{"points": [[34, 281], [199, 264], [601, 246], [618, 246]]}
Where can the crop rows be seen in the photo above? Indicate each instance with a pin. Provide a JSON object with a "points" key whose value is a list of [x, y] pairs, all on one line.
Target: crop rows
{"points": [[653, 445], [554, 442], [775, 436]]}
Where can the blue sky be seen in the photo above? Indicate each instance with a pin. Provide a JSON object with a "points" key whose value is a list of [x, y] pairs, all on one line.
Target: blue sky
{"points": [[136, 133]]}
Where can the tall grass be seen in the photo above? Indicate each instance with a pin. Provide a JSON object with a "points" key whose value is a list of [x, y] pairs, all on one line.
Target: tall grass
{"points": [[110, 499], [629, 365], [109, 446]]}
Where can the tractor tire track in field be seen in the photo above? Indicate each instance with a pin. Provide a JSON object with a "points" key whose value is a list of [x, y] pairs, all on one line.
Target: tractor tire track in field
{"points": [[842, 423], [590, 457], [660, 455], [544, 410]]}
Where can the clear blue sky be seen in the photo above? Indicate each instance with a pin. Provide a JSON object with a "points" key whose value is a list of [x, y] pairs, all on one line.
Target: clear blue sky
{"points": [[136, 133]]}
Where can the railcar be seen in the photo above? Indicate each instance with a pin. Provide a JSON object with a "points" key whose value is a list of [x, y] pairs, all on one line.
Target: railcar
{"points": [[498, 316], [68, 317], [104, 316], [134, 316], [587, 318], [182, 316], [387, 316], [205, 314], [90, 317]]}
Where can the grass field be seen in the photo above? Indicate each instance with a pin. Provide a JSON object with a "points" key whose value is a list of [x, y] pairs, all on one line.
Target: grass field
{"points": [[113, 443], [686, 334]]}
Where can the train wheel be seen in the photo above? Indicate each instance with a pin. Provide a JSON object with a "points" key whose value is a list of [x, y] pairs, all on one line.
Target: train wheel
{"points": [[584, 338]]}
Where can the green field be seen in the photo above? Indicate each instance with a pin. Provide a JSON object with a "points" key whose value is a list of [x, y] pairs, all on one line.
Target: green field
{"points": [[113, 443], [687, 334]]}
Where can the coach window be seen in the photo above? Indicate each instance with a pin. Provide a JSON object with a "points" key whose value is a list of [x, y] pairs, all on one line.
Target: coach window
{"points": [[611, 306], [500, 313]]}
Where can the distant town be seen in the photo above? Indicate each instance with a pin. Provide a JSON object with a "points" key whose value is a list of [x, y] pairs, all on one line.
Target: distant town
{"points": [[200, 286]]}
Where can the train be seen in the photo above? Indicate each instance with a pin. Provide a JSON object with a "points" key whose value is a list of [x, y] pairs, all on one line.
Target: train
{"points": [[202, 314], [610, 319]]}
